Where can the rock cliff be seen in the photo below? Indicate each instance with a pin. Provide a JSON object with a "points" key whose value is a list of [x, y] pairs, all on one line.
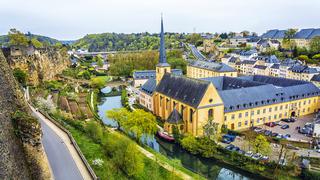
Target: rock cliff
{"points": [[40, 64], [22, 154]]}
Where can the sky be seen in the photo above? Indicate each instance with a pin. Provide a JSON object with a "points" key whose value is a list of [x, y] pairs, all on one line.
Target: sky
{"points": [[73, 19]]}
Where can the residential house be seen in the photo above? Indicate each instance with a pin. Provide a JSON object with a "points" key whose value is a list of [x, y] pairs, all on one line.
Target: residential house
{"points": [[246, 67], [202, 69]]}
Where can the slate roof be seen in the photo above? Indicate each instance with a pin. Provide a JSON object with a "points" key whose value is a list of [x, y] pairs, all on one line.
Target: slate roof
{"points": [[260, 67], [233, 59], [268, 59], [275, 66], [149, 86], [225, 82], [187, 90], [213, 66], [303, 69], [274, 34], [248, 62], [147, 74], [257, 90], [307, 33], [175, 117], [316, 78]]}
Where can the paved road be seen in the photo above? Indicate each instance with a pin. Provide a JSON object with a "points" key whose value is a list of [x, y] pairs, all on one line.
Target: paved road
{"points": [[197, 53], [64, 161], [60, 159]]}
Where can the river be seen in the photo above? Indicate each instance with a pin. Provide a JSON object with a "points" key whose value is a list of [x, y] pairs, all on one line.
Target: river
{"points": [[208, 168]]}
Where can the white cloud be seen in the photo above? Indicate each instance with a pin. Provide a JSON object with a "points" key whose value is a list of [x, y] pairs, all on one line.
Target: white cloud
{"points": [[71, 19]]}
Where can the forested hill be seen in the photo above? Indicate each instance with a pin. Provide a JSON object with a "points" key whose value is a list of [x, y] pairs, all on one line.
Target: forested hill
{"points": [[46, 41], [126, 42]]}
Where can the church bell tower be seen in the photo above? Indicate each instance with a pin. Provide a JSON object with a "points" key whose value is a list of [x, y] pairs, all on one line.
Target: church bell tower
{"points": [[162, 67]]}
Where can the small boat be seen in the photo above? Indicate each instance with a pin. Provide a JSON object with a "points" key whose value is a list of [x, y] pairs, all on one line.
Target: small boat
{"points": [[165, 136]]}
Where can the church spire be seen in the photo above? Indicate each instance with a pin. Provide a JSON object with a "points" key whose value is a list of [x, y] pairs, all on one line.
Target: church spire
{"points": [[162, 50]]}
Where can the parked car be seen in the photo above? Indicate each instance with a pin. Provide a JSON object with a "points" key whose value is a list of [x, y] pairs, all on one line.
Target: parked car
{"points": [[279, 136], [318, 150], [268, 133], [235, 148], [270, 124], [257, 156], [286, 136], [230, 147], [289, 120], [286, 126], [225, 140], [241, 151], [248, 154], [229, 137], [274, 134], [278, 123], [264, 158], [257, 130]]}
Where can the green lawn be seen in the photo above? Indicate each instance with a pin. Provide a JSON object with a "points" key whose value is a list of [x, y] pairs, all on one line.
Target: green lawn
{"points": [[94, 151], [105, 78]]}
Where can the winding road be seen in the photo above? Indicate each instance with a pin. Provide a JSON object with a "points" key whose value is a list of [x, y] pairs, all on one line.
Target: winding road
{"points": [[64, 160]]}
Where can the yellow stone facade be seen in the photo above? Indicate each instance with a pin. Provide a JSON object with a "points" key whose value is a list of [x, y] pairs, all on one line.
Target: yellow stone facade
{"points": [[195, 72]]}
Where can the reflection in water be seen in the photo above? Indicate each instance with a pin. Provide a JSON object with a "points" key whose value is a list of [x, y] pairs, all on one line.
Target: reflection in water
{"points": [[206, 167]]}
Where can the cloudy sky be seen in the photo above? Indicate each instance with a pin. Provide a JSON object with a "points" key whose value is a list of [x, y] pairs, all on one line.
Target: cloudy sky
{"points": [[72, 19]]}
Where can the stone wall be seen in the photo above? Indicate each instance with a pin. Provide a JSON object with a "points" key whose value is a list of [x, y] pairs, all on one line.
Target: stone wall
{"points": [[42, 65], [22, 154]]}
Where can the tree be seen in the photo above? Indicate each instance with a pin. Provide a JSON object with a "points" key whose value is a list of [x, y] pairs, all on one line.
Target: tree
{"points": [[94, 130], [190, 143], [100, 62], [287, 41], [125, 154], [17, 38], [315, 44], [138, 122], [316, 57], [211, 129], [98, 83], [261, 145], [36, 43], [20, 75]]}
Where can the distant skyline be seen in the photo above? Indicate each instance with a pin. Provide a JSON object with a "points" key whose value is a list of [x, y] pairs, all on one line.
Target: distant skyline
{"points": [[73, 19]]}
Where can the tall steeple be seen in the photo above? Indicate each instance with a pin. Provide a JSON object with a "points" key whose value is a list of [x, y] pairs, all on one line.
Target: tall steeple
{"points": [[162, 67], [162, 50]]}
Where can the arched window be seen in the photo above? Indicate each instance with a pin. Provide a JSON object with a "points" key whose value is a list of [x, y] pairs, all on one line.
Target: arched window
{"points": [[210, 113], [191, 115]]}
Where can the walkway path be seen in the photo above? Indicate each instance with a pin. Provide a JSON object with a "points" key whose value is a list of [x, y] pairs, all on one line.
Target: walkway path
{"points": [[64, 160]]}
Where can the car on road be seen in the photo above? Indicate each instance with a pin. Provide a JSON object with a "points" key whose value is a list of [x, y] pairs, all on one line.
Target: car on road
{"points": [[270, 124], [264, 158], [235, 148], [279, 136], [225, 140], [257, 130], [248, 154], [286, 126], [288, 120], [286, 136], [257, 156], [278, 123], [230, 147], [268, 133]]}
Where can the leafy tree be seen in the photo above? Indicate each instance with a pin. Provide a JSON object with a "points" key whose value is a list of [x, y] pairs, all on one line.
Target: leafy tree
{"points": [[86, 74], [36, 43], [97, 83], [223, 35], [261, 145], [94, 130], [100, 62], [20, 75], [315, 44], [125, 154], [138, 122], [58, 45], [190, 143], [211, 129], [17, 38], [316, 57], [288, 42], [178, 63]]}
